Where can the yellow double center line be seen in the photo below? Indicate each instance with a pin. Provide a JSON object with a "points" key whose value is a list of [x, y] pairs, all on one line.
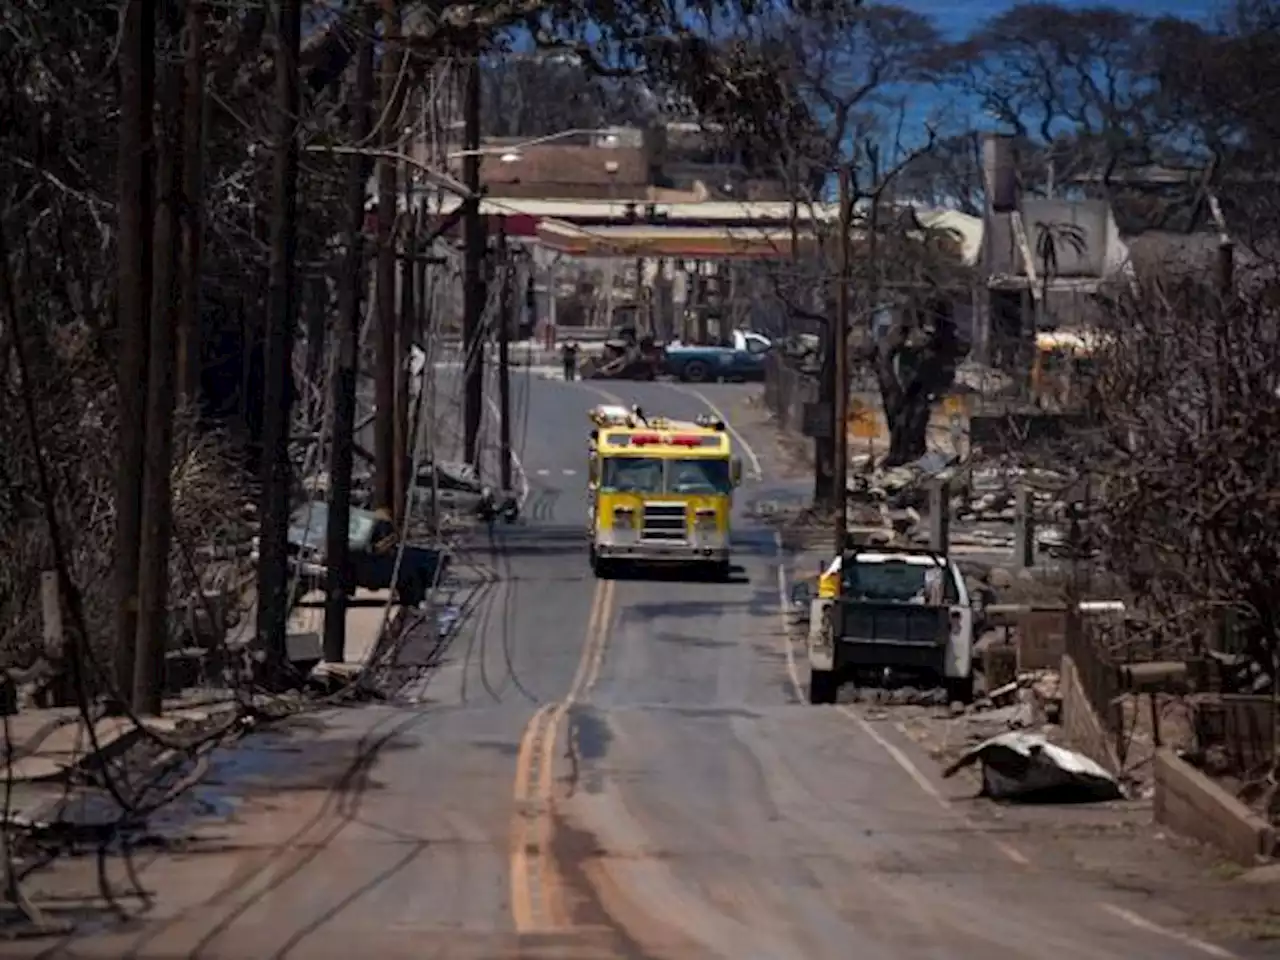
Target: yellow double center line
{"points": [[535, 904]]}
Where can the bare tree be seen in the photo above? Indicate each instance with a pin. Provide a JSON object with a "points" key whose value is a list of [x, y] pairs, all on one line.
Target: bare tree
{"points": [[1217, 86], [835, 70], [538, 95], [1073, 82], [1187, 414], [949, 176]]}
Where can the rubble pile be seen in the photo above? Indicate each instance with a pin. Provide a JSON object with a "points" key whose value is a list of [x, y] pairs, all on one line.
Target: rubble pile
{"points": [[1032, 700], [894, 696], [982, 499]]}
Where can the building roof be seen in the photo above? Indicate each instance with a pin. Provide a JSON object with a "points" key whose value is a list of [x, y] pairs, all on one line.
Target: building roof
{"points": [[721, 242], [703, 211], [727, 243], [966, 229], [557, 165]]}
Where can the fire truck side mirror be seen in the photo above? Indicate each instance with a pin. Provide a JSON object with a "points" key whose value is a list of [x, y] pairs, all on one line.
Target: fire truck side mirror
{"points": [[735, 471]]}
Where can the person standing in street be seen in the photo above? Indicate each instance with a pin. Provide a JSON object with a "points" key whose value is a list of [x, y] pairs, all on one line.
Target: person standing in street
{"points": [[569, 357]]}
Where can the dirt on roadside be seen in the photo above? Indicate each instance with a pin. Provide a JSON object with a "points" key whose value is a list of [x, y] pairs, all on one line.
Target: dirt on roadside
{"points": [[1115, 845]]}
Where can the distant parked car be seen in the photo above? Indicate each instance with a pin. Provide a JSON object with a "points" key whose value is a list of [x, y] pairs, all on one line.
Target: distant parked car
{"points": [[742, 357]]}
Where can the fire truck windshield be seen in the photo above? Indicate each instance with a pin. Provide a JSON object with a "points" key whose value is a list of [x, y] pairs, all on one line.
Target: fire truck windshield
{"points": [[631, 475], [656, 475], [699, 476]]}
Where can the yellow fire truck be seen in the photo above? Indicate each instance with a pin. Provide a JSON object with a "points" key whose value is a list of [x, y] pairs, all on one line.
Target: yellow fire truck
{"points": [[660, 491]]}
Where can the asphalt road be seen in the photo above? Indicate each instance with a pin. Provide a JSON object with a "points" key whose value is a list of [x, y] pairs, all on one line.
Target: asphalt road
{"points": [[603, 769]]}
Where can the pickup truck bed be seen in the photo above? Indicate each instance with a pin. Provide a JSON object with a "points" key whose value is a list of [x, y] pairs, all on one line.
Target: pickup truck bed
{"points": [[901, 635]]}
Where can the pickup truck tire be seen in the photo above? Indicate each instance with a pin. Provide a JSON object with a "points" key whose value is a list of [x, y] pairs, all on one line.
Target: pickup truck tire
{"points": [[960, 689], [695, 371], [823, 686], [722, 571], [602, 568]]}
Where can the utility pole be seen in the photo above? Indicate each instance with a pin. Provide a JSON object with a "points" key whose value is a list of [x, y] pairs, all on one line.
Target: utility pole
{"points": [[346, 342], [384, 429], [133, 308], [157, 504], [192, 212], [404, 339], [840, 347], [427, 330], [504, 359], [473, 283], [282, 310]]}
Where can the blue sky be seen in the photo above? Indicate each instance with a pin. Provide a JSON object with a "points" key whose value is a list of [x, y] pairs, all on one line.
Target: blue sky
{"points": [[956, 19]]}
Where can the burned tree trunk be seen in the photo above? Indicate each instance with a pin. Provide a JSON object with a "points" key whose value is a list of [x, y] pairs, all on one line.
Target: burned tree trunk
{"points": [[915, 365], [133, 305], [277, 399], [157, 513], [192, 210]]}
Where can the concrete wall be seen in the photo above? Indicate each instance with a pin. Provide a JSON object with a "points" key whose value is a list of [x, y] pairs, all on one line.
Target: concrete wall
{"points": [[1189, 802], [1041, 639], [1085, 731], [1089, 217]]}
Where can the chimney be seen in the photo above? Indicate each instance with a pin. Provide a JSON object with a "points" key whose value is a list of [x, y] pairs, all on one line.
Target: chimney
{"points": [[998, 173]]}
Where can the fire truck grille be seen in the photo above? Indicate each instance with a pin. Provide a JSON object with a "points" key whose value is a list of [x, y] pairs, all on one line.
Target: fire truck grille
{"points": [[664, 521]]}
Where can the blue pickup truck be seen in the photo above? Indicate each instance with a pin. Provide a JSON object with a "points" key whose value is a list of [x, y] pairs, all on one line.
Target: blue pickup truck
{"points": [[742, 357]]}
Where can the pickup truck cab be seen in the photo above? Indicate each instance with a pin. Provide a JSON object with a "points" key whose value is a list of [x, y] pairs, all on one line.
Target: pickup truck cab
{"points": [[742, 357], [889, 609]]}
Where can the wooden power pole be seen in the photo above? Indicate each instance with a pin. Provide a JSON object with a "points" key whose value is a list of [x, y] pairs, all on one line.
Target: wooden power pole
{"points": [[840, 363], [133, 306], [472, 281], [282, 311], [504, 360], [351, 286], [192, 212], [384, 430], [404, 432]]}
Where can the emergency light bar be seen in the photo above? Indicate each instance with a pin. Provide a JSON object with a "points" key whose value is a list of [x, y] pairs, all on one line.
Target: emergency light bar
{"points": [[675, 440]]}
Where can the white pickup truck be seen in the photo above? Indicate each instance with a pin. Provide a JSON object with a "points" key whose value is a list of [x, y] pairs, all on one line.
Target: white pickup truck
{"points": [[899, 610]]}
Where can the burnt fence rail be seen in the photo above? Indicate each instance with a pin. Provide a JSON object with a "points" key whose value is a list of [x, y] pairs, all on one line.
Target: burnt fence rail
{"points": [[786, 391], [1098, 649], [1090, 648], [1236, 733]]}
